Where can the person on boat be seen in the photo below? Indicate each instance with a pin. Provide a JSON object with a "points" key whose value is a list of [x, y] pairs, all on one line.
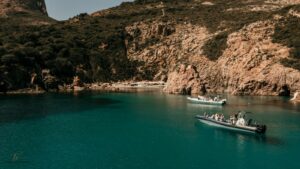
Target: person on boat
{"points": [[217, 117], [233, 119], [241, 121], [222, 118]]}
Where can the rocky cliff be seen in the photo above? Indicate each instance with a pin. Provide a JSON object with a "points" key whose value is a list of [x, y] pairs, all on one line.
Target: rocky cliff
{"points": [[198, 57], [196, 46]]}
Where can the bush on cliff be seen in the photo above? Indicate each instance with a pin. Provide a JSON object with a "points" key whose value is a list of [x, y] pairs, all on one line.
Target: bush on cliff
{"points": [[214, 47], [287, 32]]}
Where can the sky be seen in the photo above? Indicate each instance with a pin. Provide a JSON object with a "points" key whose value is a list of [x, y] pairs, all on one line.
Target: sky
{"points": [[65, 9]]}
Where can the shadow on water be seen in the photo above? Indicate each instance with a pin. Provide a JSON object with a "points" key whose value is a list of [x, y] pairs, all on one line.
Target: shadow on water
{"points": [[242, 136], [22, 107], [284, 104], [250, 101], [205, 106]]}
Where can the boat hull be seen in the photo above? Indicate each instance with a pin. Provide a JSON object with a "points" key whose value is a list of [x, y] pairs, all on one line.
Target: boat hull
{"points": [[199, 101], [228, 126]]}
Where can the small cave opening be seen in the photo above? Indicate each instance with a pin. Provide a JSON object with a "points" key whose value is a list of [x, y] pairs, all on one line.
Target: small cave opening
{"points": [[285, 91], [187, 91]]}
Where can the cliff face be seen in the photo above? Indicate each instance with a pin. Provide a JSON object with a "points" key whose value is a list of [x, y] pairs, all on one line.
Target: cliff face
{"points": [[246, 60], [250, 63], [196, 46]]}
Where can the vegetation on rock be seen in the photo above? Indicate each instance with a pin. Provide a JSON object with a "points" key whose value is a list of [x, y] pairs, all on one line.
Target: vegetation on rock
{"points": [[287, 32], [93, 47]]}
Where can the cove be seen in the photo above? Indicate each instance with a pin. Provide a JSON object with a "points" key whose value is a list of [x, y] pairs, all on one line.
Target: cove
{"points": [[149, 130]]}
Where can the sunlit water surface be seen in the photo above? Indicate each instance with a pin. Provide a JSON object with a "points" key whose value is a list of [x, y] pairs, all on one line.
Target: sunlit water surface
{"points": [[147, 130]]}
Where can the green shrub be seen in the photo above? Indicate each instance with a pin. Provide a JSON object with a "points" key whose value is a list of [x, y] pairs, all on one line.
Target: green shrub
{"points": [[9, 59], [2, 51], [287, 32], [214, 47], [292, 63]]}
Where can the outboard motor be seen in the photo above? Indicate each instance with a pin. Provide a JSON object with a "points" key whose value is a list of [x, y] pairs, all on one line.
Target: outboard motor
{"points": [[261, 128]]}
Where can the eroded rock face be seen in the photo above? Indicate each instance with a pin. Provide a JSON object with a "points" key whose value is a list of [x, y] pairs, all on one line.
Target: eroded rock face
{"points": [[184, 81], [250, 62], [181, 45], [250, 65]]}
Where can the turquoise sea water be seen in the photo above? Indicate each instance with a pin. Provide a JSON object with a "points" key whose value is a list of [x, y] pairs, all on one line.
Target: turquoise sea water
{"points": [[142, 131]]}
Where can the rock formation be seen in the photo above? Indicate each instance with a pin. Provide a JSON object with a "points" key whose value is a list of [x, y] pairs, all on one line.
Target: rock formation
{"points": [[185, 80], [77, 84], [49, 82], [249, 65]]}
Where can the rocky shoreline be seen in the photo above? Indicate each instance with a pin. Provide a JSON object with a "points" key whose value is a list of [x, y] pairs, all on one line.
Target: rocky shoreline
{"points": [[125, 86]]}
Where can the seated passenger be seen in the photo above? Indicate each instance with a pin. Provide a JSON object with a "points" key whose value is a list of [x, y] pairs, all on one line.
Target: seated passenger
{"points": [[217, 117], [222, 117]]}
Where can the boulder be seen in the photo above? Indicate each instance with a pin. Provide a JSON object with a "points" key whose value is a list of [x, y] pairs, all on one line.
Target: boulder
{"points": [[51, 83], [77, 84]]}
